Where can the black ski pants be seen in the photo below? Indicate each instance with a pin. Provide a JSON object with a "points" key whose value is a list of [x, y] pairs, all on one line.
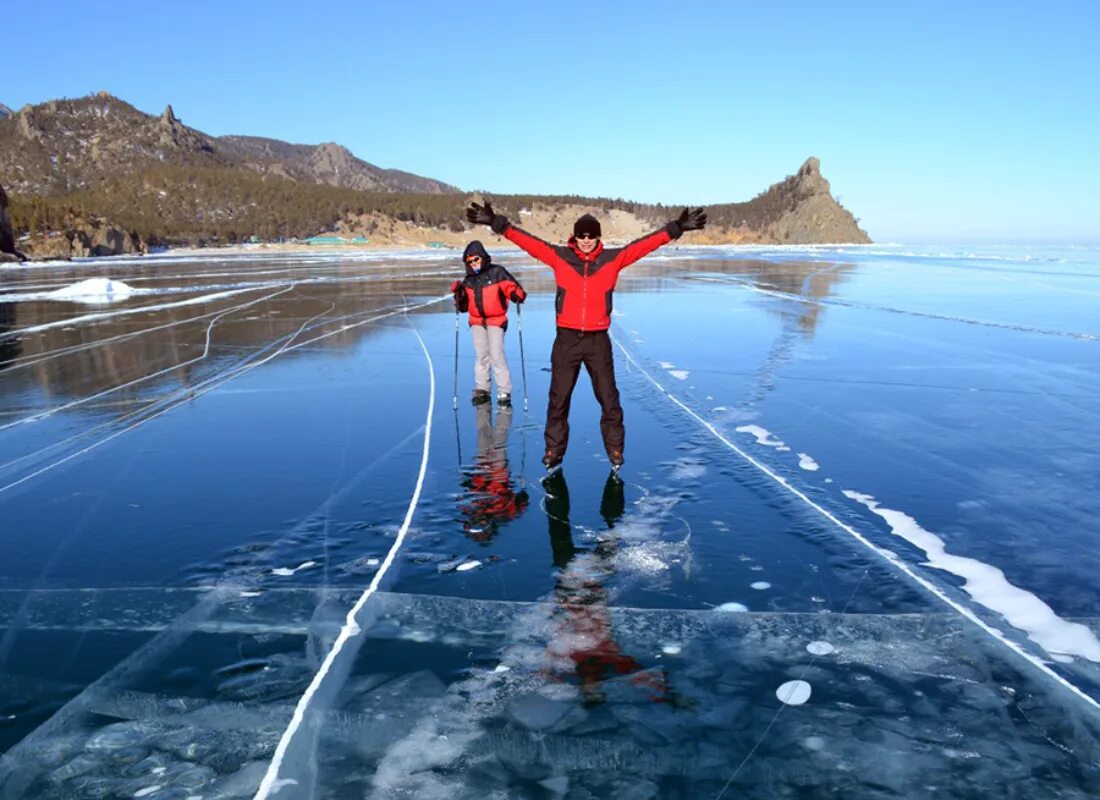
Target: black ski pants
{"points": [[593, 349]]}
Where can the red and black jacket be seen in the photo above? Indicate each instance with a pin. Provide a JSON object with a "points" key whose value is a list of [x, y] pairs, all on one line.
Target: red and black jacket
{"points": [[586, 281], [485, 293]]}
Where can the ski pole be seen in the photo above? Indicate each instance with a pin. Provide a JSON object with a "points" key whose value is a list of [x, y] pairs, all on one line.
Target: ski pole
{"points": [[454, 399], [522, 360]]}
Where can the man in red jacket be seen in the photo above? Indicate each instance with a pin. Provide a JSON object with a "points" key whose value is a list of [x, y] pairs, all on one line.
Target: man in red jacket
{"points": [[585, 273], [485, 292]]}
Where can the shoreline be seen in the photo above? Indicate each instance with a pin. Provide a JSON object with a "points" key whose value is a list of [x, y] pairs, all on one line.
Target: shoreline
{"points": [[238, 249]]}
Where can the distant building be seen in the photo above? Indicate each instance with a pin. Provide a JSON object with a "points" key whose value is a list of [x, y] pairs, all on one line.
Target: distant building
{"points": [[329, 240]]}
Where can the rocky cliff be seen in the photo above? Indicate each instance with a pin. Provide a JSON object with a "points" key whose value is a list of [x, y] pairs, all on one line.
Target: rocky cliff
{"points": [[808, 212], [7, 237], [81, 237]]}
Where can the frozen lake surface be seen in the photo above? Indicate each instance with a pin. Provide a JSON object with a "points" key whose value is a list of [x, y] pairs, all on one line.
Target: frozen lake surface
{"points": [[250, 549]]}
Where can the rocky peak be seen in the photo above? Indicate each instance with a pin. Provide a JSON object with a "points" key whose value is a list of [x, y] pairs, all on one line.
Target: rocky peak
{"points": [[802, 210], [332, 158], [5, 111], [809, 180], [169, 116], [26, 124], [330, 151]]}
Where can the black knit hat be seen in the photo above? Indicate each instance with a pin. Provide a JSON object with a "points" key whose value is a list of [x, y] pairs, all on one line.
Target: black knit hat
{"points": [[587, 224]]}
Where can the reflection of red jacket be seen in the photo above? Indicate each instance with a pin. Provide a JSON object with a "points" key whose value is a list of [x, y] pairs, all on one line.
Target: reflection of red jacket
{"points": [[586, 281], [492, 501], [585, 636]]}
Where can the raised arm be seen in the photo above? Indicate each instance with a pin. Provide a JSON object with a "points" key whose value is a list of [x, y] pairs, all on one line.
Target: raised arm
{"points": [[533, 245], [687, 221]]}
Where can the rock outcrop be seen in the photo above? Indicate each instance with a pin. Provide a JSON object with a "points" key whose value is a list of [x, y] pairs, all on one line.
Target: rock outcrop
{"points": [[4, 111], [8, 253], [809, 212], [81, 238]]}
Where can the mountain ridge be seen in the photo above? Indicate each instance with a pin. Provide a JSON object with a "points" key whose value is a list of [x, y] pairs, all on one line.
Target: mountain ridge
{"points": [[71, 145], [163, 182]]}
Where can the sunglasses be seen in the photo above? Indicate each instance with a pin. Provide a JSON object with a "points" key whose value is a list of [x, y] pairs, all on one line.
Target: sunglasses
{"points": [[474, 260], [587, 236]]}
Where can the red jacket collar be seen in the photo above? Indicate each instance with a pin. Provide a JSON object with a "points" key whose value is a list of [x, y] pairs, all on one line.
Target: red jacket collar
{"points": [[585, 256]]}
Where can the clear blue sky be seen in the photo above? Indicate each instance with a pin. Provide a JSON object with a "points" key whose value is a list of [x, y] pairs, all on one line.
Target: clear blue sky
{"points": [[934, 121]]}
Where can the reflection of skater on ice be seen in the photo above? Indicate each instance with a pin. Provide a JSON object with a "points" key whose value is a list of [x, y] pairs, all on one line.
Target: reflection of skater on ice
{"points": [[490, 501], [582, 621]]}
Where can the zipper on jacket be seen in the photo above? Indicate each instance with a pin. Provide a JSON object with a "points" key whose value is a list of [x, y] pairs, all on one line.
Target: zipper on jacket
{"points": [[584, 296]]}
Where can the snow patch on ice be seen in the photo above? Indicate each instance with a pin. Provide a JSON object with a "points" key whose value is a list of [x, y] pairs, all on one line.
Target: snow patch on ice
{"points": [[666, 365], [94, 291], [989, 587], [639, 559], [671, 649], [820, 648], [287, 571], [679, 374], [688, 469], [763, 436], [760, 585], [807, 463], [467, 565]]}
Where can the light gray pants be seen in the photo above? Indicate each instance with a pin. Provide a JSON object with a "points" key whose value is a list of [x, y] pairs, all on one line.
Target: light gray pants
{"points": [[489, 351]]}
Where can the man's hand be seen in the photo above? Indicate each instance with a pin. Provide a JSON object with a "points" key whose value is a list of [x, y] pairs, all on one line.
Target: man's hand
{"points": [[480, 215], [692, 220], [517, 298]]}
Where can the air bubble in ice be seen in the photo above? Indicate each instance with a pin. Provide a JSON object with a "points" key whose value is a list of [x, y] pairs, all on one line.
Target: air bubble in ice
{"points": [[793, 693], [732, 607]]}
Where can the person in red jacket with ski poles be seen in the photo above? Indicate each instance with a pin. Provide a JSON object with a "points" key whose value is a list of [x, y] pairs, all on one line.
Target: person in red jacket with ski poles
{"points": [[585, 273], [484, 293]]}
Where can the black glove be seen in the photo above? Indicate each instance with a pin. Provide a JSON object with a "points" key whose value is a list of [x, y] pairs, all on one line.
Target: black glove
{"points": [[484, 215], [480, 215], [692, 220], [517, 298], [462, 301]]}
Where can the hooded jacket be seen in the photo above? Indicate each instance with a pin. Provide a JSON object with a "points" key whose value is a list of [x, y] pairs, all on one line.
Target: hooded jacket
{"points": [[585, 281], [485, 292]]}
